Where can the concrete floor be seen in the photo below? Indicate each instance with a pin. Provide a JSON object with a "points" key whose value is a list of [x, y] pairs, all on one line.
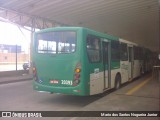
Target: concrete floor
{"points": [[146, 98], [20, 96]]}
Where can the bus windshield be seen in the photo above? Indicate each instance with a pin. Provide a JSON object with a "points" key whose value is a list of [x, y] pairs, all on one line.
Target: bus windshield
{"points": [[56, 42]]}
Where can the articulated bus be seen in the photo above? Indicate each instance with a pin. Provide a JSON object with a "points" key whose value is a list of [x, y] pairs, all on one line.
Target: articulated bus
{"points": [[80, 61]]}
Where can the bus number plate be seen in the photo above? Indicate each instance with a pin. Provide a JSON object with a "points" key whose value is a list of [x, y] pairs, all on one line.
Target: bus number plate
{"points": [[66, 82]]}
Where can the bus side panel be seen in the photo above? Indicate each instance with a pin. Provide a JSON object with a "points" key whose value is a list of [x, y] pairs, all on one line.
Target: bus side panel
{"points": [[115, 68], [136, 68], [124, 71], [94, 70], [96, 82], [84, 85]]}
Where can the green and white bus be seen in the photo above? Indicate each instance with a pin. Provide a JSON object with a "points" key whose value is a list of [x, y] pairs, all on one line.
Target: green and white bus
{"points": [[80, 61]]}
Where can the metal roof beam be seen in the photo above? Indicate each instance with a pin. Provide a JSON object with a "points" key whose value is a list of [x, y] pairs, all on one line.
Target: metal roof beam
{"points": [[21, 19]]}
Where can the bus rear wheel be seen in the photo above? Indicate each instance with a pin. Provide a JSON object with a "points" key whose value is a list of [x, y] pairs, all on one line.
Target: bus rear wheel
{"points": [[117, 81]]}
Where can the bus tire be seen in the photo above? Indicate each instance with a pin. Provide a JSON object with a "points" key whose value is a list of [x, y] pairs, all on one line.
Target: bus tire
{"points": [[117, 81]]}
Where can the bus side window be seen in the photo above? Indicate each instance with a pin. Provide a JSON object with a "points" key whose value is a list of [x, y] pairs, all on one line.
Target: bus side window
{"points": [[93, 48], [115, 51], [123, 52], [137, 53]]}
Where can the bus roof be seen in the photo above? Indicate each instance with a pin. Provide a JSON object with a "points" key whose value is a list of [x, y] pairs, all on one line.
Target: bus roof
{"points": [[128, 42], [80, 28]]}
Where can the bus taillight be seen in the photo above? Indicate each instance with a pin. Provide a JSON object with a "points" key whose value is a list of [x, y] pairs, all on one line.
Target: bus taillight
{"points": [[34, 71], [77, 70], [35, 77], [77, 75]]}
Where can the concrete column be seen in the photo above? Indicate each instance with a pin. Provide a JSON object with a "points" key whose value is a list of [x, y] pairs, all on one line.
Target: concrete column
{"points": [[31, 47]]}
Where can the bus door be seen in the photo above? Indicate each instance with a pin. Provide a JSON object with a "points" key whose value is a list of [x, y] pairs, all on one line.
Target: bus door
{"points": [[131, 62], [106, 65]]}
